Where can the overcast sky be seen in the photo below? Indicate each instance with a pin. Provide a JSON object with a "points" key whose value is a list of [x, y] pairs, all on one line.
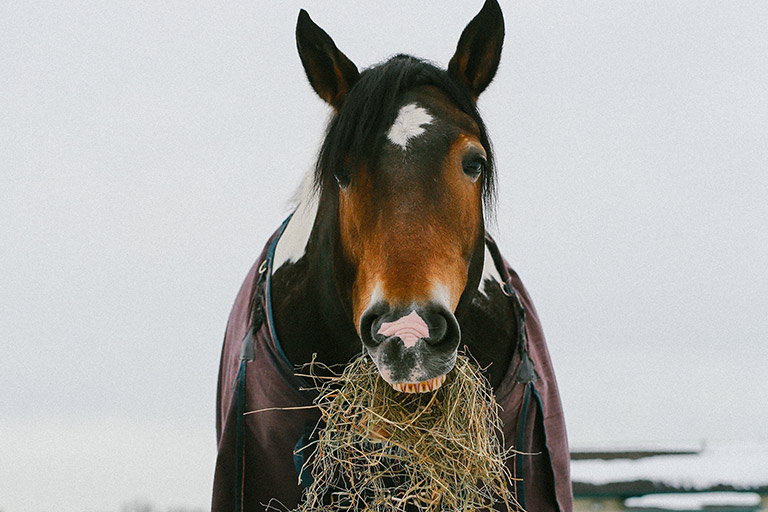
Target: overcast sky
{"points": [[148, 149]]}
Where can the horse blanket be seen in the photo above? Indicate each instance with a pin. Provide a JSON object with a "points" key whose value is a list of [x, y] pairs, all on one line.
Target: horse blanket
{"points": [[268, 477]]}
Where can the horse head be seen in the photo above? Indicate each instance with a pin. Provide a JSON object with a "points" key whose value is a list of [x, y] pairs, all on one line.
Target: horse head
{"points": [[404, 178]]}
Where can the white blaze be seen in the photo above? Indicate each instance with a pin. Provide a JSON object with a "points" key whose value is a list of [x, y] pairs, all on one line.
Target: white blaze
{"points": [[408, 124]]}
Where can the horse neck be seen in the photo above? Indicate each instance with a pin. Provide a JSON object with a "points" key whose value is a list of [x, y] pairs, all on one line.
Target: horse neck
{"points": [[309, 317], [489, 329]]}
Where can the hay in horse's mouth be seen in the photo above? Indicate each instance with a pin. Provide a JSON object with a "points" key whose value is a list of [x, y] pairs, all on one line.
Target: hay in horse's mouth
{"points": [[382, 450], [425, 386]]}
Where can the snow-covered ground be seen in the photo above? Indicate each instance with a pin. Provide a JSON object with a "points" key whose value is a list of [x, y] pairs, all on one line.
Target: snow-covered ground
{"points": [[694, 501]]}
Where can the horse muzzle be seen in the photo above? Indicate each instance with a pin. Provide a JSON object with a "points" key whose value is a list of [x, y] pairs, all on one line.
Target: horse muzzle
{"points": [[413, 347]]}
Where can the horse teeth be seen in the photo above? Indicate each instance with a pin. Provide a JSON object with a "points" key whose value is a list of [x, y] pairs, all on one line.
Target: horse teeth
{"points": [[419, 387]]}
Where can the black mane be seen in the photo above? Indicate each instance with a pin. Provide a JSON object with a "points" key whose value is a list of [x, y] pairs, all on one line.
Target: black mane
{"points": [[357, 131]]}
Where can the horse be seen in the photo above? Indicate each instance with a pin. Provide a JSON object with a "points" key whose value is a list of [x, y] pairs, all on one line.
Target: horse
{"points": [[387, 254]]}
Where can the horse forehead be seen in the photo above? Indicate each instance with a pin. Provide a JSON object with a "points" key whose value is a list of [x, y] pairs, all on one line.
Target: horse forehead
{"points": [[427, 112], [410, 123]]}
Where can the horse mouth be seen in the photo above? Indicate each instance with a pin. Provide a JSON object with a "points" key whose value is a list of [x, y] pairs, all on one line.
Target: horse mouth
{"points": [[424, 386]]}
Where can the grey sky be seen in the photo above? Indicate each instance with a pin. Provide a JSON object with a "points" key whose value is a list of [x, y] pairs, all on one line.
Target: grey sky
{"points": [[148, 149]]}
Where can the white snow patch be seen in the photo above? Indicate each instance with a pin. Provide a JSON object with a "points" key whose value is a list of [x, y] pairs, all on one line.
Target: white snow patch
{"points": [[686, 446], [694, 501]]}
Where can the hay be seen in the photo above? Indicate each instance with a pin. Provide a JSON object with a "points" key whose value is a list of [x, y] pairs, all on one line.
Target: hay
{"points": [[382, 450]]}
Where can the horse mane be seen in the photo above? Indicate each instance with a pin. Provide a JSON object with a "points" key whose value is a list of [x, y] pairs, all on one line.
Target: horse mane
{"points": [[356, 133]]}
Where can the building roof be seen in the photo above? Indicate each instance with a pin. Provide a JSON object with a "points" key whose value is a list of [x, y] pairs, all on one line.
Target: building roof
{"points": [[625, 472]]}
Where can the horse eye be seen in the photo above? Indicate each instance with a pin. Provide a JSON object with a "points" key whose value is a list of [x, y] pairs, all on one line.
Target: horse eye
{"points": [[343, 179], [475, 167]]}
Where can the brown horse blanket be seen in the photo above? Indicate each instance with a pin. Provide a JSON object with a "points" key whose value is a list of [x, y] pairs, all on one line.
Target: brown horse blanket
{"points": [[531, 413]]}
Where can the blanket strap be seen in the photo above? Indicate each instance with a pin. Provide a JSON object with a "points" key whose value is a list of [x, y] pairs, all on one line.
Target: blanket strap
{"points": [[526, 372], [526, 375], [246, 354]]}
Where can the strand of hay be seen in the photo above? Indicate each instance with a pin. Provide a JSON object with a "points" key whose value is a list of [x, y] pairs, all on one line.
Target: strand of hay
{"points": [[382, 450]]}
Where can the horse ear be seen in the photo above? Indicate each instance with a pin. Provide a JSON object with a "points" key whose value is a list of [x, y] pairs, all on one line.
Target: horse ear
{"points": [[479, 50], [329, 71]]}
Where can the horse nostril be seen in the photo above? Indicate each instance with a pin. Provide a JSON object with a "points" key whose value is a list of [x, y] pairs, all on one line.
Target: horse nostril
{"points": [[437, 329], [443, 329], [369, 327]]}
